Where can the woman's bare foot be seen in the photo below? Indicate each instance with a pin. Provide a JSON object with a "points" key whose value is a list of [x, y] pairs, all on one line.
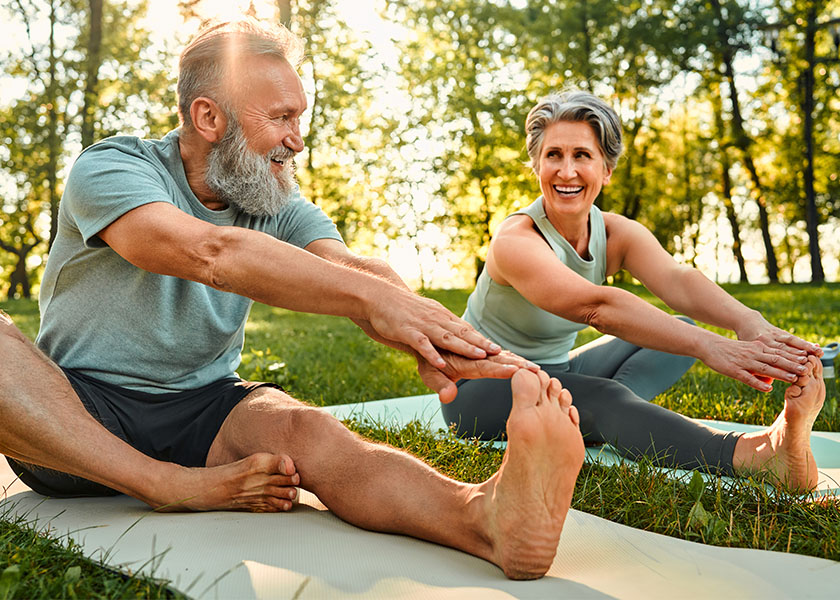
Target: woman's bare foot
{"points": [[530, 495], [258, 483], [784, 449]]}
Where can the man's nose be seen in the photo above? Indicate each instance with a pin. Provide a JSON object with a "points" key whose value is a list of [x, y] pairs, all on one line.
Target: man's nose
{"points": [[293, 140]]}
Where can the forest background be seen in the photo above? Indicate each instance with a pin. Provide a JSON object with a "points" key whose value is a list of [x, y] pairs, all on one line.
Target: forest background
{"points": [[414, 135]]}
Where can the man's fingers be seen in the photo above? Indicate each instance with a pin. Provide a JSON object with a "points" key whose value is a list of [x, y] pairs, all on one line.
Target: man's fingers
{"points": [[285, 492], [438, 382], [284, 480], [463, 340], [464, 331], [286, 466], [424, 347]]}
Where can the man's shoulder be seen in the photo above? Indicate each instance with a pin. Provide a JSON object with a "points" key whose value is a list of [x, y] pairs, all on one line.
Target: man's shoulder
{"points": [[130, 146]]}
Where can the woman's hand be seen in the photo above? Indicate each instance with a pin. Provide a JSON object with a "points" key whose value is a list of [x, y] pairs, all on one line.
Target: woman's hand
{"points": [[759, 329], [749, 361]]}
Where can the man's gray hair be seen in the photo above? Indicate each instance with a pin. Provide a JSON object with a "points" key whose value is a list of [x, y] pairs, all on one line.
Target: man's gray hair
{"points": [[217, 47], [574, 105]]}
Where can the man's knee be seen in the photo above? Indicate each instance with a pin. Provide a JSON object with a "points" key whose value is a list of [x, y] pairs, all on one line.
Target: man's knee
{"points": [[9, 333], [290, 418]]}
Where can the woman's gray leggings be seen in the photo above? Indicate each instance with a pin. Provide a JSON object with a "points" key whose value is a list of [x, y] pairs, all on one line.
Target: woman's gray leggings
{"points": [[611, 382]]}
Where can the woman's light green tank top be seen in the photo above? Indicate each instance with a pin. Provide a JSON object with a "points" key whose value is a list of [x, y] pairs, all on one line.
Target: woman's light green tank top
{"points": [[502, 314]]}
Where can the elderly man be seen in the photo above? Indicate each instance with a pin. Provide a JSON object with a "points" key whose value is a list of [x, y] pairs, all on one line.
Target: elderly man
{"points": [[162, 247]]}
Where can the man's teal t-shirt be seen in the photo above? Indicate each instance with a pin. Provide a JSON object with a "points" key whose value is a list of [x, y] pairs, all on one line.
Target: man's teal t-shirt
{"points": [[118, 323]]}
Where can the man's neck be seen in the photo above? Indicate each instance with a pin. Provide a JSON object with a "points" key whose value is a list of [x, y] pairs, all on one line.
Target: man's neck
{"points": [[194, 150]]}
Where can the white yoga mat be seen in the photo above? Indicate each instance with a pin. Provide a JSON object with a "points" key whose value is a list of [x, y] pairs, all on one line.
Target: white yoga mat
{"points": [[309, 553]]}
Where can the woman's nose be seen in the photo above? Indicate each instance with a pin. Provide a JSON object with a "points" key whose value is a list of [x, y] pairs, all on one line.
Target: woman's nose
{"points": [[567, 169]]}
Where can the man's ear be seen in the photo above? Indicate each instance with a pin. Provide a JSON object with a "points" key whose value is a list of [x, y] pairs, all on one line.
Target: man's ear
{"points": [[208, 119]]}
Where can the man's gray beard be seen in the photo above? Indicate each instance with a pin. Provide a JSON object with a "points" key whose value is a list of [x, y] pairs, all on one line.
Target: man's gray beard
{"points": [[243, 178]]}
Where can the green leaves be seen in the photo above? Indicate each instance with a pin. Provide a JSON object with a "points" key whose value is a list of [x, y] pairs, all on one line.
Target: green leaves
{"points": [[700, 520]]}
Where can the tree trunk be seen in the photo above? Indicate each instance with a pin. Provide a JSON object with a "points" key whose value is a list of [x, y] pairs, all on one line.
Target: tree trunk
{"points": [[54, 148], [19, 277], [726, 184], [812, 217], [694, 216], [587, 46], [743, 141], [93, 61]]}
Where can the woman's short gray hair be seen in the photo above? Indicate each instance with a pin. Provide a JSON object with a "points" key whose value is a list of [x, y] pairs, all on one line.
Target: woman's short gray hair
{"points": [[219, 46], [574, 105]]}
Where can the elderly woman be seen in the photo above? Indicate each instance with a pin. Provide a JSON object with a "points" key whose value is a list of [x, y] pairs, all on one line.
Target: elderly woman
{"points": [[542, 284]]}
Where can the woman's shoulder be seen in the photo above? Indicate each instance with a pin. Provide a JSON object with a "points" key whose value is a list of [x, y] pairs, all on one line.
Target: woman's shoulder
{"points": [[622, 232], [514, 226]]}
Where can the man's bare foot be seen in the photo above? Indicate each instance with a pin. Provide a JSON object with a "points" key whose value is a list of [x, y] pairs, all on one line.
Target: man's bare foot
{"points": [[258, 483], [784, 449], [530, 495]]}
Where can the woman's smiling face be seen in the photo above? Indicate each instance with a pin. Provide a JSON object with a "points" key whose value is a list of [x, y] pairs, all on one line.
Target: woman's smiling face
{"points": [[572, 168]]}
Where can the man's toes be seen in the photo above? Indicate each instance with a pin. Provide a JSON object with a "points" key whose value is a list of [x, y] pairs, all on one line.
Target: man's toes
{"points": [[816, 367], [574, 415], [525, 386], [794, 391], [565, 399], [554, 390]]}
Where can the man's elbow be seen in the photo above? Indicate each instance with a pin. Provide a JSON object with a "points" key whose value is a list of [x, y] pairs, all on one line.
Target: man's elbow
{"points": [[210, 256]]}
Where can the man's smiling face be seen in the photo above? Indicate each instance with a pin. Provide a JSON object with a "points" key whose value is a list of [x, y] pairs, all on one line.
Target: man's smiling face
{"points": [[252, 166]]}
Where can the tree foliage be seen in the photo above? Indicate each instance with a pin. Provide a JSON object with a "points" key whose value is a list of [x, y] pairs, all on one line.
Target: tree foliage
{"points": [[77, 88], [419, 144]]}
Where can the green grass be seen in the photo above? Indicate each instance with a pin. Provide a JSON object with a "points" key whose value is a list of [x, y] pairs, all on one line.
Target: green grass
{"points": [[327, 360]]}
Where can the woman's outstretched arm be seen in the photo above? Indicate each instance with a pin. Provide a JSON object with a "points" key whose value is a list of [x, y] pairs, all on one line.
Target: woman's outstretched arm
{"points": [[521, 258], [688, 291]]}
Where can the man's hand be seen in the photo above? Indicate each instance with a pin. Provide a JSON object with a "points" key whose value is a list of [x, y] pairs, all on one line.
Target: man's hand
{"points": [[442, 381], [401, 319], [499, 366], [426, 326]]}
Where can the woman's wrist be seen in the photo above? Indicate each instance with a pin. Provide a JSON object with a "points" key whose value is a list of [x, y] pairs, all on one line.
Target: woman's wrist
{"points": [[750, 325]]}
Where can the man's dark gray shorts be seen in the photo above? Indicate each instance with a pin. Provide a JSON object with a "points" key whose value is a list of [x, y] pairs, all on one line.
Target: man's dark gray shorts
{"points": [[175, 427]]}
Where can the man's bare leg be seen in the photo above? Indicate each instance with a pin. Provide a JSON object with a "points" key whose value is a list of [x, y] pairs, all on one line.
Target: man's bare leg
{"points": [[514, 519], [784, 449], [43, 422]]}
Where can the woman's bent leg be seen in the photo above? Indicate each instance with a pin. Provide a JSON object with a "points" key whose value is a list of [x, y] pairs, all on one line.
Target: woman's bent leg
{"points": [[647, 372]]}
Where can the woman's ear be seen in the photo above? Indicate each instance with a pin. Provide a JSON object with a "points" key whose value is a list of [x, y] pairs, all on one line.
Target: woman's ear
{"points": [[607, 176]]}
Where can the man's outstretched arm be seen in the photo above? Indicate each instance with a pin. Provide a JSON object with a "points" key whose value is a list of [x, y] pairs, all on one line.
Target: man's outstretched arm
{"points": [[160, 238], [441, 380]]}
